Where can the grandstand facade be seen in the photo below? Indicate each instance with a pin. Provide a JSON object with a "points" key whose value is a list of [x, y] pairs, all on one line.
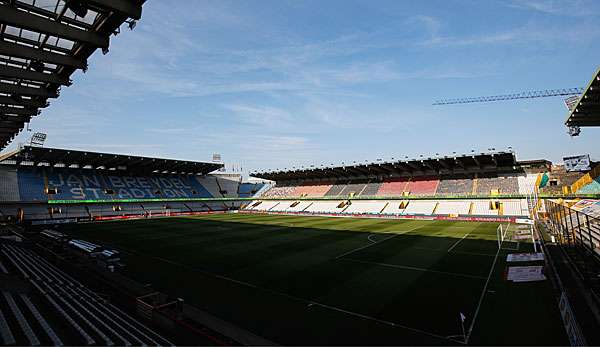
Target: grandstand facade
{"points": [[45, 184], [482, 186], [50, 185]]}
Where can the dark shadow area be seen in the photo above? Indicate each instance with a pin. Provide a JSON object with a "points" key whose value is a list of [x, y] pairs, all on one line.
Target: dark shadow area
{"points": [[405, 282]]}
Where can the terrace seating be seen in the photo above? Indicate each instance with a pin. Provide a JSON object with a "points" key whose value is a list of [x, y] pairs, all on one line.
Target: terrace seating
{"points": [[395, 207], [280, 191], [504, 184], [31, 185], [9, 185], [325, 207], [86, 315], [228, 186], [455, 186], [249, 190], [85, 184], [511, 208], [337, 189], [371, 189], [355, 188], [482, 208], [393, 186], [299, 207], [21, 308], [282, 206], [591, 188], [365, 207], [313, 190], [264, 206], [527, 183], [424, 207], [422, 185], [559, 179], [447, 207]]}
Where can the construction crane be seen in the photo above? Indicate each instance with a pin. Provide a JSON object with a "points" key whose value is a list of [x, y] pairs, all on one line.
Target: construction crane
{"points": [[522, 95]]}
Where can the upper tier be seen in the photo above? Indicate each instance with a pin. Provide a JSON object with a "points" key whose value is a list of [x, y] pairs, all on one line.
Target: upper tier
{"points": [[42, 184]]}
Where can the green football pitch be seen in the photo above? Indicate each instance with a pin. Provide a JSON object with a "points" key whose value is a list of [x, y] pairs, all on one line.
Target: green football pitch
{"points": [[321, 280]]}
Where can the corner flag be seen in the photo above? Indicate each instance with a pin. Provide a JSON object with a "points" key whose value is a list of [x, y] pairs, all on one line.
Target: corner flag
{"points": [[462, 317]]}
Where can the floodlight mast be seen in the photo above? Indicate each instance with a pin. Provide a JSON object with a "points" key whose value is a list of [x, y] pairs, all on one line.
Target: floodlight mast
{"points": [[37, 140]]}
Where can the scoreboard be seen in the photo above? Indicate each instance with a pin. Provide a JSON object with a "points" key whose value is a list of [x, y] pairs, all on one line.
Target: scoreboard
{"points": [[577, 163]]}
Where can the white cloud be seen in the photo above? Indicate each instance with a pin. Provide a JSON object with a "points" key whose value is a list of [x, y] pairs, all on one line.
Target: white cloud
{"points": [[573, 8]]}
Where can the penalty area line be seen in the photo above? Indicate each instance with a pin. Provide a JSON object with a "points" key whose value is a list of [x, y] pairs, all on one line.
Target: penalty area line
{"points": [[457, 242]]}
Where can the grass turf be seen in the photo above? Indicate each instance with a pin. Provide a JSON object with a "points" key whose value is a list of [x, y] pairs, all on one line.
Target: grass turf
{"points": [[320, 280]]}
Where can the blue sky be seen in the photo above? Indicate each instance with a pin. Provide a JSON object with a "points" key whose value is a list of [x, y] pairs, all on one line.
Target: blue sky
{"points": [[276, 84]]}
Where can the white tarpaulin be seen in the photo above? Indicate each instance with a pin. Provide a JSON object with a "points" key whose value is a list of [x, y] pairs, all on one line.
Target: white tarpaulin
{"points": [[517, 257], [525, 273]]}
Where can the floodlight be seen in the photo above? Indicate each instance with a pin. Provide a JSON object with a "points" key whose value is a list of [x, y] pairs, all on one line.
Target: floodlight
{"points": [[77, 7]]}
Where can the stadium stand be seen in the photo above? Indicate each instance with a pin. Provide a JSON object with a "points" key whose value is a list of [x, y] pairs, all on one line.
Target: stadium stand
{"points": [[559, 178], [250, 190], [591, 188], [365, 207], [31, 185], [511, 208], [313, 190], [282, 206], [9, 185], [337, 189], [280, 191], [503, 184], [228, 185], [395, 207], [325, 207], [69, 184], [448, 207], [483, 208], [85, 315], [355, 188], [422, 185], [420, 207], [262, 205], [299, 206], [527, 183], [371, 189], [393, 187], [455, 185]]}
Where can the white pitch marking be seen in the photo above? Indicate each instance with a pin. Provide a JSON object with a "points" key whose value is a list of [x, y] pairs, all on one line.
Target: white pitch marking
{"points": [[377, 242], [414, 268], [457, 242], [482, 296]]}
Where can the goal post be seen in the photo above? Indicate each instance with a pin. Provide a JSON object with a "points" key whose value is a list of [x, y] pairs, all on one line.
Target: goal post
{"points": [[499, 235]]}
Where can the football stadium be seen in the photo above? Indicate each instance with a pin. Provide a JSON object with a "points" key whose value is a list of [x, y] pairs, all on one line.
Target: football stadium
{"points": [[100, 248]]}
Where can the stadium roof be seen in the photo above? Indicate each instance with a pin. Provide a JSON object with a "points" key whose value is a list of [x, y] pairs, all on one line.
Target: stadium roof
{"points": [[42, 42], [484, 162], [587, 110], [55, 157]]}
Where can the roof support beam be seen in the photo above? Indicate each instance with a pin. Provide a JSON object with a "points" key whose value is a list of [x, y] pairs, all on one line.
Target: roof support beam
{"points": [[5, 100], [15, 89], [14, 49], [15, 110], [15, 72], [126, 7], [7, 120], [29, 21]]}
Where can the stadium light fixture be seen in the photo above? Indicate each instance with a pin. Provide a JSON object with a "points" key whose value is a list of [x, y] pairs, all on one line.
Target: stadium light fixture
{"points": [[78, 7]]}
